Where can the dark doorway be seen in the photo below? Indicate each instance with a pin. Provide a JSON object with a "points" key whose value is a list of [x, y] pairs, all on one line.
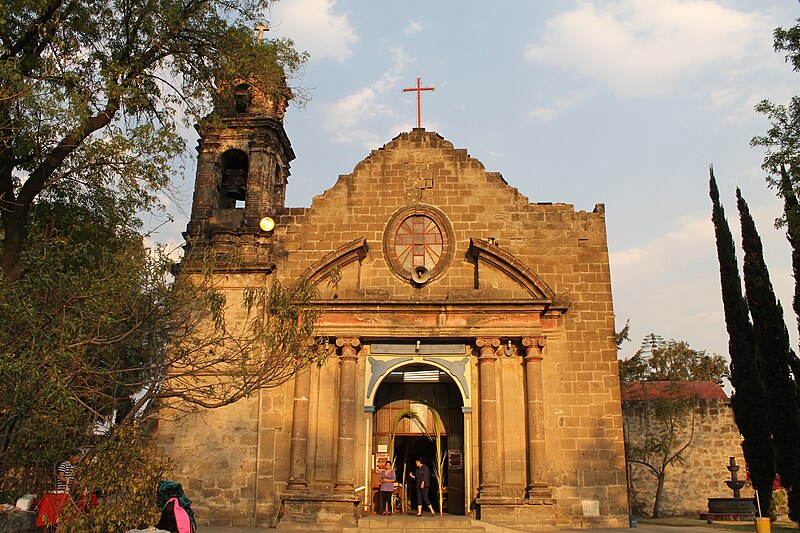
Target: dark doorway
{"points": [[407, 450], [405, 402]]}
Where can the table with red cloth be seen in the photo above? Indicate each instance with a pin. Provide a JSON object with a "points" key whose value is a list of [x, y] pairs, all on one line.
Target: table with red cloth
{"points": [[50, 507], [52, 502]]}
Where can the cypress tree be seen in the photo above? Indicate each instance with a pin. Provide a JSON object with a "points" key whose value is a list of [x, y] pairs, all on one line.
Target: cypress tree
{"points": [[747, 399], [774, 354], [791, 211]]}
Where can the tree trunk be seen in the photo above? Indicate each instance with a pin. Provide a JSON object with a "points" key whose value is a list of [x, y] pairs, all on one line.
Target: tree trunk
{"points": [[15, 232], [659, 492]]}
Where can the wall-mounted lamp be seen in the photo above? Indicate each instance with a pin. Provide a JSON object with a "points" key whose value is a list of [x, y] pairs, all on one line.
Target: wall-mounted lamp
{"points": [[267, 224], [509, 349], [327, 348]]}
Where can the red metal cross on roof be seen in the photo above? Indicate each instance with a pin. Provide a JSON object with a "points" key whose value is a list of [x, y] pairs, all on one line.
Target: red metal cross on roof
{"points": [[418, 89]]}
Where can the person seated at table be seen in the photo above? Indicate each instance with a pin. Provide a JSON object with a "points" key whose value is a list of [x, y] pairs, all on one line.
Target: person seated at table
{"points": [[66, 472]]}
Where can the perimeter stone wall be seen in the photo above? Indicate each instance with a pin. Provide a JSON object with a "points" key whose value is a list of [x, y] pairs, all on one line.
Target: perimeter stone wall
{"points": [[702, 475]]}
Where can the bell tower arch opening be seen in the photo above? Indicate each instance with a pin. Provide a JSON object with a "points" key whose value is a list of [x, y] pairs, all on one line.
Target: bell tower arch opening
{"points": [[242, 97], [232, 189], [418, 413]]}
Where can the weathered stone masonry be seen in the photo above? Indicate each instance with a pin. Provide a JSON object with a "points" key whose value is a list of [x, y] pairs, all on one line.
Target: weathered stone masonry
{"points": [[441, 265]]}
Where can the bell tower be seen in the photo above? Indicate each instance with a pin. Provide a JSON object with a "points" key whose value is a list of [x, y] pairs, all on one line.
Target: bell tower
{"points": [[242, 171]]}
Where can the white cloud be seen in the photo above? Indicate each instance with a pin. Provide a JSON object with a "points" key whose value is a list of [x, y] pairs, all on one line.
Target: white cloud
{"points": [[346, 119], [691, 233], [315, 28], [561, 104], [414, 27], [641, 47], [670, 285]]}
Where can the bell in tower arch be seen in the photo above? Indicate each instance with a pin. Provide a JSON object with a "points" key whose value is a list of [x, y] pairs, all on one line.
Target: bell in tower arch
{"points": [[242, 97], [234, 168]]}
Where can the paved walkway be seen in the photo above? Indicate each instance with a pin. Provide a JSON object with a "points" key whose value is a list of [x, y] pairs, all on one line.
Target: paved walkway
{"points": [[642, 528]]}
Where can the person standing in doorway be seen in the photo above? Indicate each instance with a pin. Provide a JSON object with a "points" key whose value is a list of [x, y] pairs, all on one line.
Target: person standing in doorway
{"points": [[388, 478], [423, 478]]}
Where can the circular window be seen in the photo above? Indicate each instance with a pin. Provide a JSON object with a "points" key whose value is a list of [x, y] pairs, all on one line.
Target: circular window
{"points": [[418, 243]]}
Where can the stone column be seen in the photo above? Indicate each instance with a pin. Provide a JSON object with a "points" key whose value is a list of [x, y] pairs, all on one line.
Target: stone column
{"points": [[299, 444], [490, 469], [345, 465], [205, 191], [259, 185], [534, 398]]}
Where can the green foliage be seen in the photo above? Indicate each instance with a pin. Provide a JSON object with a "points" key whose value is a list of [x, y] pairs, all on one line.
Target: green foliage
{"points": [[405, 413], [782, 139], [634, 368], [97, 318], [774, 359], [748, 398], [93, 99], [80, 312], [622, 335], [436, 436], [93, 95], [668, 420], [125, 471], [781, 368], [674, 361], [441, 455]]}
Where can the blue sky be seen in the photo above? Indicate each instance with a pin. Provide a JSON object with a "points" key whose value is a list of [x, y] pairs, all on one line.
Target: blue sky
{"points": [[622, 102]]}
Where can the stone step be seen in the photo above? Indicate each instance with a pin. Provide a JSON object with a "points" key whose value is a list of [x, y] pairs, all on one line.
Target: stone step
{"points": [[412, 523]]}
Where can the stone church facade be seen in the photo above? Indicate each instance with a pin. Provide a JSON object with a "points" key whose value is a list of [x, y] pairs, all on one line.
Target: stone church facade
{"points": [[451, 293]]}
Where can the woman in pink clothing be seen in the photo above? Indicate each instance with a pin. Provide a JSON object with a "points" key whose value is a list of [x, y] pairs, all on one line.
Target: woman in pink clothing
{"points": [[388, 478]]}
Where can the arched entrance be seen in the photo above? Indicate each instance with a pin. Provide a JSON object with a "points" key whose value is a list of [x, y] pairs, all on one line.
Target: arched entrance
{"points": [[416, 406]]}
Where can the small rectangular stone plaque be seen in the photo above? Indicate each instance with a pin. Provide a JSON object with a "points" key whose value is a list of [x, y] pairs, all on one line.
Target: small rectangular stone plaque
{"points": [[591, 507]]}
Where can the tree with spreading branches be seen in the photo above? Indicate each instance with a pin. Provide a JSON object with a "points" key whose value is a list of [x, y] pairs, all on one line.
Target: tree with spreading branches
{"points": [[662, 370], [93, 96], [98, 331]]}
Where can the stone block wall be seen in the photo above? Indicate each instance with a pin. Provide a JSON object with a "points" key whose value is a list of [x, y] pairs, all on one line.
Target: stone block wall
{"points": [[702, 474], [566, 251]]}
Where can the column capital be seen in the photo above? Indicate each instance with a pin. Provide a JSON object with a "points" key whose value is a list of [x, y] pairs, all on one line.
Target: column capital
{"points": [[488, 347], [321, 345], [534, 347], [258, 145], [209, 144], [351, 342], [487, 341], [349, 347]]}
